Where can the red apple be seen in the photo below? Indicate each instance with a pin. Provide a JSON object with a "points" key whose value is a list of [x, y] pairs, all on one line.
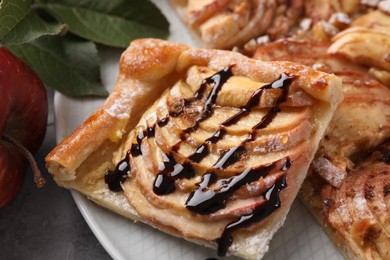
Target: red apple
{"points": [[23, 119]]}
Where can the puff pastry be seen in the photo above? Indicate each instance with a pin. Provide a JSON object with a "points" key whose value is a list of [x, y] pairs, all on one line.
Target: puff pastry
{"points": [[346, 191], [223, 24], [206, 145]]}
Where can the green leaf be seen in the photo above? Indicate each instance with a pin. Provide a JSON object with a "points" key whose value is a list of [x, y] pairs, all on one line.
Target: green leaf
{"points": [[11, 13], [30, 28], [117, 28], [69, 66], [141, 11]]}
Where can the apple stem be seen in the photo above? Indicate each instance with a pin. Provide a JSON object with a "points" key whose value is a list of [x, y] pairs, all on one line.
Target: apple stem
{"points": [[38, 178]]}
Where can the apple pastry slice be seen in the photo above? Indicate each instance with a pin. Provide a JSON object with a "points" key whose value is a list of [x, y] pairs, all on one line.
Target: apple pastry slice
{"points": [[344, 190], [223, 24], [356, 215], [207, 145]]}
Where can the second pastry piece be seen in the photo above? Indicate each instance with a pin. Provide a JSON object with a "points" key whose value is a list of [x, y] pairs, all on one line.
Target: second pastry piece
{"points": [[223, 24], [347, 190]]}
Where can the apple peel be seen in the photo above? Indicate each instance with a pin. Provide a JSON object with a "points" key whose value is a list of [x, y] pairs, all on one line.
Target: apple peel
{"points": [[23, 120]]}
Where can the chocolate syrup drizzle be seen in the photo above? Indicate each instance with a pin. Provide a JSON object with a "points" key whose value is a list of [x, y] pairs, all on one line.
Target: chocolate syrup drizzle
{"points": [[114, 178], [135, 149], [259, 213], [217, 81], [205, 200], [164, 183], [234, 154]]}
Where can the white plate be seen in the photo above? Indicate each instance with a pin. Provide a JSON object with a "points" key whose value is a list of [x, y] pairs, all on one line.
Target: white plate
{"points": [[299, 238]]}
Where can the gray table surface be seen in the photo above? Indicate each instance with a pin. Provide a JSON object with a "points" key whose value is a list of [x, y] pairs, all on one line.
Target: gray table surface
{"points": [[46, 223]]}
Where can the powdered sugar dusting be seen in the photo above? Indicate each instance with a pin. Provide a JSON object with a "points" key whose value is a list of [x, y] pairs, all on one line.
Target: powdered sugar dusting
{"points": [[257, 246], [362, 207], [64, 174], [118, 200], [329, 172], [360, 203], [119, 109], [384, 6]]}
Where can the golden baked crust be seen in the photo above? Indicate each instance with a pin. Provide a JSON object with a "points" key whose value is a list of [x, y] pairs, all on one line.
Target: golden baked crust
{"points": [[163, 109]]}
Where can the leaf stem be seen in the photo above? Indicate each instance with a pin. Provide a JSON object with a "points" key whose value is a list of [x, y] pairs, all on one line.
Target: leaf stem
{"points": [[38, 178]]}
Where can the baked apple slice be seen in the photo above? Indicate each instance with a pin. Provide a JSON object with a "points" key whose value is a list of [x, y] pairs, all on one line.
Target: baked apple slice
{"points": [[309, 53], [373, 19], [353, 43], [366, 229], [376, 185]]}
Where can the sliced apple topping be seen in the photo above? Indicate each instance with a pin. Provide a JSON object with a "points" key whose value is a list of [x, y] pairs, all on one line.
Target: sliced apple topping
{"points": [[216, 147], [368, 32], [223, 24]]}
